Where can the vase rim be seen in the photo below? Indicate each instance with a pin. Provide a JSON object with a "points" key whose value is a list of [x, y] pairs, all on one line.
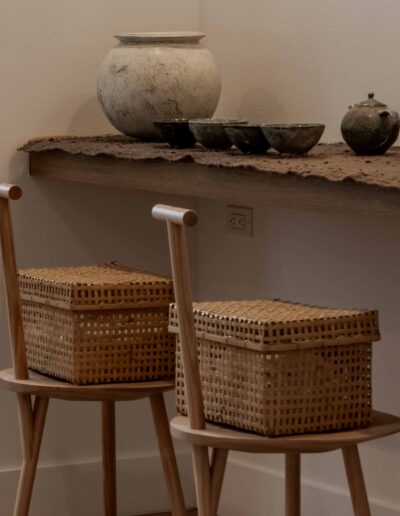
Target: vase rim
{"points": [[153, 37]]}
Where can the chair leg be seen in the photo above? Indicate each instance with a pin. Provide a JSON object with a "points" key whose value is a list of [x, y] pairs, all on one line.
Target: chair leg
{"points": [[202, 480], [31, 426], [292, 484], [109, 458], [167, 453], [218, 466], [356, 482]]}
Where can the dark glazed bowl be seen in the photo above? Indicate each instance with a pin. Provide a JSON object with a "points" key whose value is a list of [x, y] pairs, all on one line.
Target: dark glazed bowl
{"points": [[176, 132], [210, 132], [293, 138], [248, 138]]}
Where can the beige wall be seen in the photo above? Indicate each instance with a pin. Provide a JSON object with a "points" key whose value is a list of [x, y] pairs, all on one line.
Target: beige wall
{"points": [[280, 61], [307, 61], [293, 61], [50, 53]]}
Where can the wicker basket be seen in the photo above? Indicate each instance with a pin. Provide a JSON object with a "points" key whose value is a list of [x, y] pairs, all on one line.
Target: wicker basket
{"points": [[280, 368], [97, 324]]}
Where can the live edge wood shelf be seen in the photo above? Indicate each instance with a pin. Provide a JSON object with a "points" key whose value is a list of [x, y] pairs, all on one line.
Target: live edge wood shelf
{"points": [[330, 178]]}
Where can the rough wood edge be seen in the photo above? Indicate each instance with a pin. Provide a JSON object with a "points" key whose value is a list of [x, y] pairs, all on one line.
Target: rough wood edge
{"points": [[334, 162]]}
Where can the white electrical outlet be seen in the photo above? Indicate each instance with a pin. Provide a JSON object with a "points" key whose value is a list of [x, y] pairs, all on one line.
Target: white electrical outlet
{"points": [[239, 221]]}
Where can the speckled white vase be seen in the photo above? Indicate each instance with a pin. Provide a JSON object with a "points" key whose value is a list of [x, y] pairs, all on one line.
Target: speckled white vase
{"points": [[152, 76]]}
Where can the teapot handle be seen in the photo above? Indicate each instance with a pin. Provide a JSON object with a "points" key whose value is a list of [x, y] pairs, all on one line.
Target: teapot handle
{"points": [[384, 113]]}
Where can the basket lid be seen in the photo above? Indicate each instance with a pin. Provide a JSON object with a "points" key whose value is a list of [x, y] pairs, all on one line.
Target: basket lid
{"points": [[98, 287], [274, 325]]}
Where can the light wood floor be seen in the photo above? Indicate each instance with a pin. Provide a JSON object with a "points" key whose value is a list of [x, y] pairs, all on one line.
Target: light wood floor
{"points": [[191, 512]]}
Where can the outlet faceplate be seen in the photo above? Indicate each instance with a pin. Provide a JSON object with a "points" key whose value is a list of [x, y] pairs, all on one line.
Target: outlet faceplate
{"points": [[239, 221]]}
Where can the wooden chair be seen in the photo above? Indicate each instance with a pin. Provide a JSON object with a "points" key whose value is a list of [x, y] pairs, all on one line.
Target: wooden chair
{"points": [[34, 391], [202, 436]]}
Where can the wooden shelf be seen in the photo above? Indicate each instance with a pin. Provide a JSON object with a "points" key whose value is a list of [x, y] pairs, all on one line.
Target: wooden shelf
{"points": [[329, 179]]}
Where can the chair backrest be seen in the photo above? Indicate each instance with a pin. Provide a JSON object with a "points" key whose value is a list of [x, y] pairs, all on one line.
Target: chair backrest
{"points": [[177, 219], [18, 351]]}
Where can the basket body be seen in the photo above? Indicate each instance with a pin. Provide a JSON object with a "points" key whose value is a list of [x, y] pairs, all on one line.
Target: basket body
{"points": [[280, 368], [97, 324]]}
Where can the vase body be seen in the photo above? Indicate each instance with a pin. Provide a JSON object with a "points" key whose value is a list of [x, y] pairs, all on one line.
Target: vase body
{"points": [[153, 76]]}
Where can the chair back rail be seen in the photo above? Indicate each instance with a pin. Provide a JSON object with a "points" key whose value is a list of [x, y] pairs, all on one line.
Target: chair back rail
{"points": [[18, 351], [177, 219]]}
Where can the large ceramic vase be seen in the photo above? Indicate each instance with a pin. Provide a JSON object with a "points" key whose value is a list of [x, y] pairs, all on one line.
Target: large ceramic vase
{"points": [[152, 76]]}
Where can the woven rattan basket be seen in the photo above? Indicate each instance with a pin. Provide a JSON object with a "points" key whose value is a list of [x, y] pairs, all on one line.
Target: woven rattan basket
{"points": [[97, 324], [281, 368]]}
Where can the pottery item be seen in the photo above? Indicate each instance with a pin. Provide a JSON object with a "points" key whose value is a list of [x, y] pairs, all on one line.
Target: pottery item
{"points": [[176, 132], [210, 132], [156, 76], [248, 138], [370, 127], [293, 138]]}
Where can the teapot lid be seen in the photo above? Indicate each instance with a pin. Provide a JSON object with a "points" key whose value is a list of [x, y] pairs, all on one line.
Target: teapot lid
{"points": [[371, 102]]}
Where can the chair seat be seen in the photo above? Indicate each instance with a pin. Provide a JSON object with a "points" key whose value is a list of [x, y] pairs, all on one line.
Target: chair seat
{"points": [[41, 385], [218, 436]]}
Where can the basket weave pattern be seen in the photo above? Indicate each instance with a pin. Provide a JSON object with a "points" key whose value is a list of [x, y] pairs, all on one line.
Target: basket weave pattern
{"points": [[97, 324], [94, 287], [281, 368]]}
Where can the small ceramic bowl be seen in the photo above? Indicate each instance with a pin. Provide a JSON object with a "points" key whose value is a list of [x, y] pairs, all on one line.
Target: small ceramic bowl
{"points": [[248, 138], [293, 138], [176, 132], [210, 132]]}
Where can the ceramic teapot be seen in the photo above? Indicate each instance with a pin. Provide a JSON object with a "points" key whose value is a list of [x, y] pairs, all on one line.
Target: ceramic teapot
{"points": [[370, 127]]}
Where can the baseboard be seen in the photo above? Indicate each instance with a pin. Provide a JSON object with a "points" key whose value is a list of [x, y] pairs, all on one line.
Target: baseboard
{"points": [[251, 489], [76, 489]]}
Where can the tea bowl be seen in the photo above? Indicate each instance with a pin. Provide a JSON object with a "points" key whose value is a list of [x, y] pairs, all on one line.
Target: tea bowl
{"points": [[210, 132], [248, 138], [175, 132], [293, 138]]}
